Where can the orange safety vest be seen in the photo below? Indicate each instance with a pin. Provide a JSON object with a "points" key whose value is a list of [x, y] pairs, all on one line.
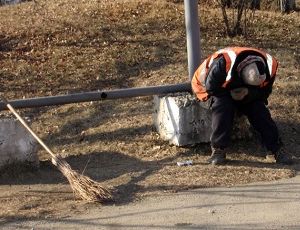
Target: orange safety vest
{"points": [[230, 54]]}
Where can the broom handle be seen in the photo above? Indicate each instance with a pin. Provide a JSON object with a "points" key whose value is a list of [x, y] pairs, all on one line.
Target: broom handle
{"points": [[28, 128]]}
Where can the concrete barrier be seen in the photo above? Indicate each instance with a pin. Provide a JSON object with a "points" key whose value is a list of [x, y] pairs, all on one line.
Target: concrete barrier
{"points": [[182, 120], [16, 144]]}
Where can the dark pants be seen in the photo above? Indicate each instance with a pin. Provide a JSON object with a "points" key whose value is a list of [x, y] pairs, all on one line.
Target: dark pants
{"points": [[223, 110]]}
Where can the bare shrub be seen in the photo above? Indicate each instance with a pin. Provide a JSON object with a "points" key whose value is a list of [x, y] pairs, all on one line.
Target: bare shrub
{"points": [[236, 15]]}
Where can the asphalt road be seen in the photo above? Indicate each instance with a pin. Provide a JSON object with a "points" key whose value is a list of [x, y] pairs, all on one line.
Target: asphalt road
{"points": [[274, 205]]}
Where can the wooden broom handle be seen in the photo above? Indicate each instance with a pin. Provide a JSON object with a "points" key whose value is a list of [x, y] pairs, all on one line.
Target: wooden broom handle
{"points": [[28, 128]]}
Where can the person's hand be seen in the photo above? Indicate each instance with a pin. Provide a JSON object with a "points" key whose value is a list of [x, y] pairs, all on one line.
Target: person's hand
{"points": [[238, 94]]}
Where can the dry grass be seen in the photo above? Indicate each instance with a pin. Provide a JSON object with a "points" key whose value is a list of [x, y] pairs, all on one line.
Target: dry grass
{"points": [[58, 47]]}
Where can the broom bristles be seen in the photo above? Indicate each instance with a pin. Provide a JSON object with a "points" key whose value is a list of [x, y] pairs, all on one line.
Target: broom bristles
{"points": [[83, 186], [86, 188]]}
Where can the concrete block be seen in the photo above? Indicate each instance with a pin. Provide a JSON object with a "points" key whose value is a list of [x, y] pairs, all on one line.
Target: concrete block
{"points": [[16, 144], [182, 120]]}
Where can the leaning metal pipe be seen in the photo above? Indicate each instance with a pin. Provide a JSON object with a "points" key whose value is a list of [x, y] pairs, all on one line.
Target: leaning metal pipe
{"points": [[98, 95]]}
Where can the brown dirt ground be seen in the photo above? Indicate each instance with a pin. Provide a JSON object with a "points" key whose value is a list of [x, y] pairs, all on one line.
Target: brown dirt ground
{"points": [[59, 47]]}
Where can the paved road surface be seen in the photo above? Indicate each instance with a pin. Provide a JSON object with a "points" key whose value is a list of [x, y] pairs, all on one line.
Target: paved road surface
{"points": [[274, 205]]}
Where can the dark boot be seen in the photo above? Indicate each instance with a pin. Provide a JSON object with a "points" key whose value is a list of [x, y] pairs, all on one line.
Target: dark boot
{"points": [[218, 156], [282, 157]]}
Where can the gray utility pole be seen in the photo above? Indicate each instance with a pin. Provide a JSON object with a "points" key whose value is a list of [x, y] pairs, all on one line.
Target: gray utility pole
{"points": [[192, 35]]}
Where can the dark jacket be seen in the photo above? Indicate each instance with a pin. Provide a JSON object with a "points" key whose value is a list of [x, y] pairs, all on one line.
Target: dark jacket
{"points": [[217, 76]]}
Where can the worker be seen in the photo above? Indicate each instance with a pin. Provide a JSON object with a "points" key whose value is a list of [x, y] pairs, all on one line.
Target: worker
{"points": [[239, 79]]}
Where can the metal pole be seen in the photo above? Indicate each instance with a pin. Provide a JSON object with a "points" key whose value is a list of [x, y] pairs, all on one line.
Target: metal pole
{"points": [[97, 95], [193, 35], [281, 6]]}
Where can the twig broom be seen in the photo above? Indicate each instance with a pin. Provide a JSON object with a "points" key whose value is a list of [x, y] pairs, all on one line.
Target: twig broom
{"points": [[82, 186]]}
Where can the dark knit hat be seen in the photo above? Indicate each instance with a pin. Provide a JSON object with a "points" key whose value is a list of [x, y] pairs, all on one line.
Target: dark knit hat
{"points": [[252, 70]]}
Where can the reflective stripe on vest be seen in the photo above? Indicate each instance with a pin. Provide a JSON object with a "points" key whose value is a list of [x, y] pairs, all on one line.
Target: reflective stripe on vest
{"points": [[230, 54], [232, 57]]}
